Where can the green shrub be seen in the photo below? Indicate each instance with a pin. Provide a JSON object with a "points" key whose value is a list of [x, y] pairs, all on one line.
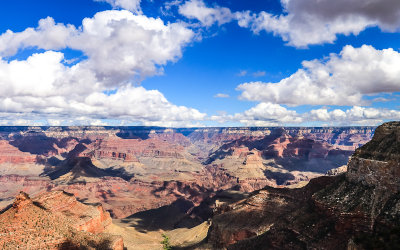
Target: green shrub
{"points": [[165, 242]]}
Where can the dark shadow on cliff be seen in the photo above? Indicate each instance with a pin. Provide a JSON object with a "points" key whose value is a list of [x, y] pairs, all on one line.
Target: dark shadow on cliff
{"points": [[279, 177], [81, 167], [40, 144], [195, 190], [166, 217], [34, 143], [139, 132]]}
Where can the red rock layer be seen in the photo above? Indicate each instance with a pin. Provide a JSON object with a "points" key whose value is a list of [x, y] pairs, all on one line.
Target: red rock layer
{"points": [[11, 154], [130, 149]]}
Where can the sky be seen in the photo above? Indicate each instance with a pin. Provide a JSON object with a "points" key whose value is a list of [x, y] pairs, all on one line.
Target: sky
{"points": [[194, 63]]}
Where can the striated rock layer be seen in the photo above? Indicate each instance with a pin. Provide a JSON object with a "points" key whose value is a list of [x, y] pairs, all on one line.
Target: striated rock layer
{"points": [[356, 210]]}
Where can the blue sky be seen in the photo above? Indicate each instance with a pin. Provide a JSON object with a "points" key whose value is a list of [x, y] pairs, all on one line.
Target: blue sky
{"points": [[199, 63]]}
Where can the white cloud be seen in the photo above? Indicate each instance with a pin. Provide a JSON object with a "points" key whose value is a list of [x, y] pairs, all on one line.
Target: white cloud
{"points": [[119, 46], [301, 31], [355, 115], [48, 35], [132, 5], [45, 92], [337, 80], [269, 114], [196, 9], [221, 95], [263, 114], [308, 22]]}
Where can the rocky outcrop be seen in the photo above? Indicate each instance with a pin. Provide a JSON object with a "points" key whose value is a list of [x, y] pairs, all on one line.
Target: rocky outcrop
{"points": [[377, 164], [55, 220], [93, 219], [337, 171]]}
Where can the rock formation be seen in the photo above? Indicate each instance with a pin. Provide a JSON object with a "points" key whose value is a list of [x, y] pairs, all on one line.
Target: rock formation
{"points": [[55, 220]]}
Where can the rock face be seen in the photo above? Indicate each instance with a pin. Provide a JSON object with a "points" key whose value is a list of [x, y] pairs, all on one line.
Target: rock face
{"points": [[377, 163], [55, 220], [356, 210], [337, 171]]}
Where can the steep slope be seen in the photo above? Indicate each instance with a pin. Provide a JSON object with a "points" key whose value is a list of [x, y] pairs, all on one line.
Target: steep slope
{"points": [[356, 210], [55, 220]]}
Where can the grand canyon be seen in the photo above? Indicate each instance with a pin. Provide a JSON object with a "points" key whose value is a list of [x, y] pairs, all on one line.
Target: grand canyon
{"points": [[199, 125], [206, 188]]}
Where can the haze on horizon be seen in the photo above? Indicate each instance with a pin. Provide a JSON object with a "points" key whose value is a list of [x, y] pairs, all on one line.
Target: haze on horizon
{"points": [[185, 63]]}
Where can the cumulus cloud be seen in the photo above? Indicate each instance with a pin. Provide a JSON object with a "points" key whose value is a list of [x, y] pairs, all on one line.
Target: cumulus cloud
{"points": [[303, 29], [306, 22], [263, 114], [207, 16], [119, 47], [44, 90], [340, 79], [132, 5], [48, 35]]}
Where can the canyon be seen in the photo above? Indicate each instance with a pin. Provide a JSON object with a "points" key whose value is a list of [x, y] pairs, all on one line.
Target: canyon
{"points": [[139, 173]]}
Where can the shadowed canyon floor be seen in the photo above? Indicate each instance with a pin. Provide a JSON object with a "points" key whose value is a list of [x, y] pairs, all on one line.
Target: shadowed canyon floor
{"points": [[158, 180]]}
